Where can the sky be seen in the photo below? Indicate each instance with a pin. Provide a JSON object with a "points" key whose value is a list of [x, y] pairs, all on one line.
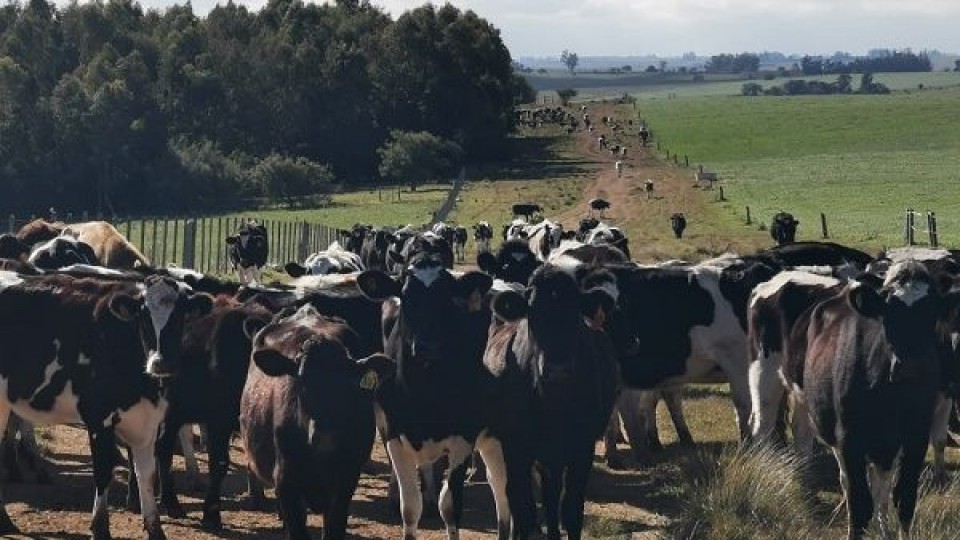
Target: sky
{"points": [[544, 28]]}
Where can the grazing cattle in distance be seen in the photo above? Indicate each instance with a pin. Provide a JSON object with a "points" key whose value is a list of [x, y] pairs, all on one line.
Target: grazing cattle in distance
{"points": [[111, 248], [618, 166], [333, 260], [644, 135], [599, 206], [434, 405], [248, 251], [40, 230], [102, 345], [554, 387], [13, 248], [526, 210], [460, 237], [62, 251], [513, 263], [870, 377], [482, 235], [783, 229], [307, 416], [678, 222]]}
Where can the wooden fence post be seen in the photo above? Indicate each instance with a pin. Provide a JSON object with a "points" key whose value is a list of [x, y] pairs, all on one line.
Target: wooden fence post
{"points": [[304, 242], [153, 245], [86, 216], [749, 221], [176, 237], [163, 253], [219, 245], [686, 160], [823, 225], [129, 224], [189, 243], [908, 227], [11, 223], [932, 228], [143, 235]]}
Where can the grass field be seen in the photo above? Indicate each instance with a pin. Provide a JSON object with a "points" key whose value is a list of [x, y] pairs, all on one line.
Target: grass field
{"points": [[861, 160]]}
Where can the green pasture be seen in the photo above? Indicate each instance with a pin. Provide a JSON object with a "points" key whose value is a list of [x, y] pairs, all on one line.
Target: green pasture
{"points": [[860, 160]]}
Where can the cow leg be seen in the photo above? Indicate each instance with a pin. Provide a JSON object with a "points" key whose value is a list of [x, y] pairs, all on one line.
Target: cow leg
{"points": [[29, 451], [551, 477], [638, 408], [856, 491], [405, 469], [254, 498], [908, 480], [6, 524], [610, 439], [523, 508], [802, 426], [939, 436], [168, 491], [293, 512], [574, 490], [674, 400], [145, 464], [492, 454], [103, 445], [880, 484], [766, 392], [338, 509], [651, 431], [741, 402], [10, 455], [218, 450], [451, 495], [185, 436]]}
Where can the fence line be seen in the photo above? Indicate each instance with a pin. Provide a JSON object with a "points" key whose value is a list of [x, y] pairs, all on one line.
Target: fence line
{"points": [[199, 242]]}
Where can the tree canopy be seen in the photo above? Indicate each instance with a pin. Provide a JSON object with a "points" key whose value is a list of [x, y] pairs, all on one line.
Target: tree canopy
{"points": [[107, 106]]}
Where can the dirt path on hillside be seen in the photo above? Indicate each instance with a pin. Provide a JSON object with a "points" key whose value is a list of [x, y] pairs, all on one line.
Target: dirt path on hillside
{"points": [[646, 221]]}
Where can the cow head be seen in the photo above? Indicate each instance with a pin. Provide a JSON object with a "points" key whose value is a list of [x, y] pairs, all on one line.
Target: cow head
{"points": [[436, 308], [13, 248], [159, 311], [354, 238], [63, 251], [514, 262]]}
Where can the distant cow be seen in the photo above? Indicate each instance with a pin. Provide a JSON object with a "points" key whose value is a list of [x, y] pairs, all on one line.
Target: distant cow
{"points": [[870, 376], [333, 260], [249, 248], [526, 210], [375, 246], [644, 135], [516, 230], [783, 229], [678, 222], [111, 248], [482, 234], [598, 205], [460, 242], [648, 188], [444, 230], [307, 417], [607, 234]]}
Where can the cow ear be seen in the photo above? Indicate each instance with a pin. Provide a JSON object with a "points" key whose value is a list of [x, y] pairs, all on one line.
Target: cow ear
{"points": [[124, 306], [252, 325], [231, 240], [374, 370], [487, 262], [274, 364], [510, 306], [377, 285], [199, 304], [295, 270], [865, 300]]}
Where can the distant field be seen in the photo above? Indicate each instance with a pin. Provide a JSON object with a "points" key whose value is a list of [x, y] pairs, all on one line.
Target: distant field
{"points": [[859, 159], [654, 86]]}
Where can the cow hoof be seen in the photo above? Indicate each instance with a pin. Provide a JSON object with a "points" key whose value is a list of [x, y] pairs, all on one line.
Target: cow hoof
{"points": [[101, 532], [211, 522], [616, 463]]}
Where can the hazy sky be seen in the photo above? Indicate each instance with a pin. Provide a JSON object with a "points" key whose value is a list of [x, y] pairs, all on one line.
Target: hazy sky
{"points": [[671, 27]]}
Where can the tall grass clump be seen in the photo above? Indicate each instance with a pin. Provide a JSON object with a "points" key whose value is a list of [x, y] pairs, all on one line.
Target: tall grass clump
{"points": [[746, 494], [938, 512]]}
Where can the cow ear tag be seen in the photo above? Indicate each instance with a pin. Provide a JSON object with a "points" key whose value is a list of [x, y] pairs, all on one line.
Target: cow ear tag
{"points": [[369, 380]]}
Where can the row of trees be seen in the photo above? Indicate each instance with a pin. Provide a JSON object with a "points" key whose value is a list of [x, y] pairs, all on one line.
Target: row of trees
{"points": [[106, 106], [897, 61], [800, 87]]}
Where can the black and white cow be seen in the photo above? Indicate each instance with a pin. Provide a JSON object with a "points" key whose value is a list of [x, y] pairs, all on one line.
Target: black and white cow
{"points": [[870, 377], [307, 416], [375, 247], [678, 222], [604, 234], [460, 237], [444, 230], [482, 235], [333, 260], [355, 238], [248, 251], [515, 230], [554, 386], [62, 251], [544, 237], [427, 242], [434, 406], [783, 228], [513, 263], [92, 351]]}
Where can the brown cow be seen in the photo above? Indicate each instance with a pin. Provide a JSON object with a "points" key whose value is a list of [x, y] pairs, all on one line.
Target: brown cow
{"points": [[113, 250], [40, 230]]}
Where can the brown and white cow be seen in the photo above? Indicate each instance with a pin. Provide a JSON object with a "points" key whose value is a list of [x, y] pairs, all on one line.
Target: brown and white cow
{"points": [[88, 350], [871, 375], [307, 416], [112, 249]]}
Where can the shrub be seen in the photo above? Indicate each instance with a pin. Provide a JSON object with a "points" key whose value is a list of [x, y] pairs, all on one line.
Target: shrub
{"points": [[746, 494]]}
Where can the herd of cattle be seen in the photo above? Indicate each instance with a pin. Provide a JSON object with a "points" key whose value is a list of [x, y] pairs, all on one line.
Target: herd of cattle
{"points": [[556, 340]]}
